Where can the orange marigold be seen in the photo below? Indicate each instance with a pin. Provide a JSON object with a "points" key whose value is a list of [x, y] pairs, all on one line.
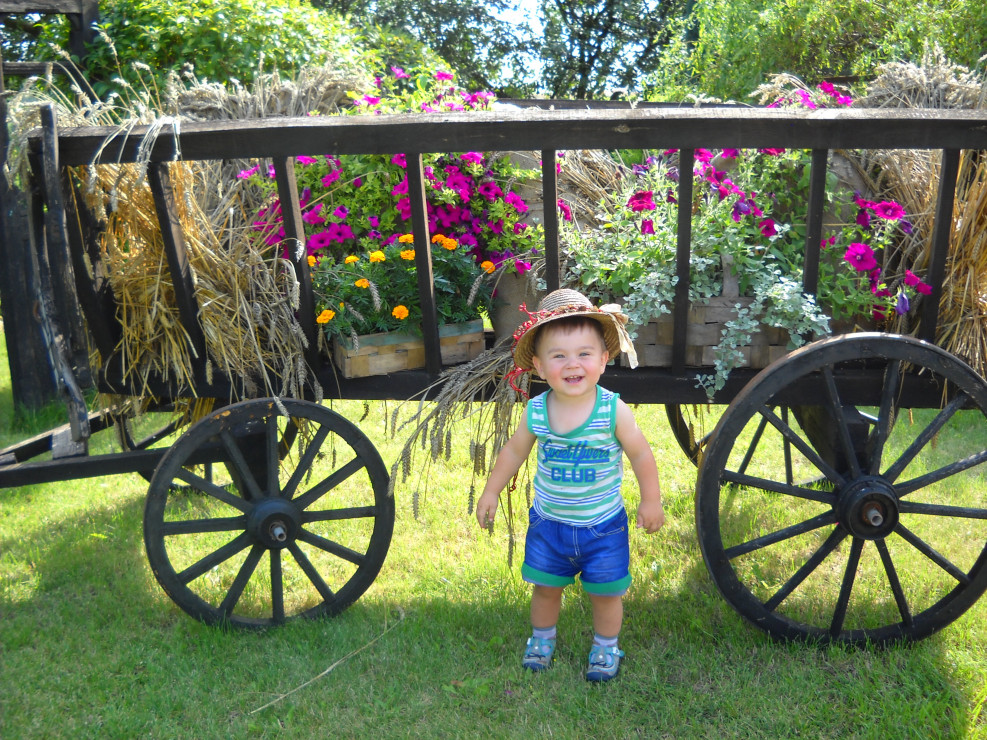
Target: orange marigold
{"points": [[449, 244], [325, 317], [400, 313], [350, 259], [408, 254], [311, 260], [487, 266], [377, 256], [437, 238], [362, 283], [406, 238]]}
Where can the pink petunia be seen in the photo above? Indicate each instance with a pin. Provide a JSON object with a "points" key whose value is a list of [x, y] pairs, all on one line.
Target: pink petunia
{"points": [[400, 160], [861, 257], [566, 211], [312, 217], [305, 159], [643, 200], [768, 227], [400, 73], [472, 157], [889, 210], [647, 226], [319, 241], [442, 76], [331, 177], [513, 199]]}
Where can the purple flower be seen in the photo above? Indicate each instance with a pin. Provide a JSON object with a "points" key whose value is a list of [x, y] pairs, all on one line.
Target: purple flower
{"points": [[312, 217], [400, 73], [901, 306], [319, 241], [305, 159], [472, 158], [861, 257], [443, 76], [513, 199], [863, 218], [490, 190], [400, 160], [341, 212], [647, 226], [768, 227], [331, 177], [244, 174]]}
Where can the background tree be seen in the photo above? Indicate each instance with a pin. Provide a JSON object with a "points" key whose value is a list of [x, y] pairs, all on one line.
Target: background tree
{"points": [[591, 48], [473, 37]]}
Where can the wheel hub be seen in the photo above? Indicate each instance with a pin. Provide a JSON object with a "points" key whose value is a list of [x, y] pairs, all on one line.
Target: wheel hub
{"points": [[273, 523], [868, 508]]}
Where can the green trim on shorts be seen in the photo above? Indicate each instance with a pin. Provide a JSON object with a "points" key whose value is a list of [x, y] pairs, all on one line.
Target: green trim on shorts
{"points": [[614, 588], [541, 578]]}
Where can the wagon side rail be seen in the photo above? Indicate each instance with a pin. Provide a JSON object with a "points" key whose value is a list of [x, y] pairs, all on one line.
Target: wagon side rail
{"points": [[547, 132]]}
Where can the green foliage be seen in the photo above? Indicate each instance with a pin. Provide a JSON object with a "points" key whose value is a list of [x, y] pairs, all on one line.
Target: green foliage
{"points": [[221, 40], [737, 44]]}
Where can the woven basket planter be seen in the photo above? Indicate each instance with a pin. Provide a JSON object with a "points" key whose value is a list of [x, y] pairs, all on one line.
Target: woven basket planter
{"points": [[391, 352]]}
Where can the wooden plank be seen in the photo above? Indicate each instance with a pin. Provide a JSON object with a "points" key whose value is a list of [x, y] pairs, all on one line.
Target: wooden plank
{"points": [[550, 197], [423, 262], [941, 230], [541, 130], [814, 219], [683, 250], [294, 230], [178, 263]]}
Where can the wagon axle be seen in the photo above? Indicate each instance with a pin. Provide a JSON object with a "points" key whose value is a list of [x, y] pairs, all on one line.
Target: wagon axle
{"points": [[868, 508], [273, 523]]}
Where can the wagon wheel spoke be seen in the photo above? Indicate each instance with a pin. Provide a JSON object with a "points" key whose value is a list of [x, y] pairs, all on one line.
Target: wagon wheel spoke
{"points": [[210, 561], [899, 594], [333, 548], [834, 539], [277, 588], [242, 578], [305, 462], [781, 535], [925, 437], [240, 469], [313, 575], [211, 489], [765, 484], [332, 481], [801, 445], [885, 415], [846, 587], [947, 471], [201, 526], [207, 556], [837, 410], [932, 554]]}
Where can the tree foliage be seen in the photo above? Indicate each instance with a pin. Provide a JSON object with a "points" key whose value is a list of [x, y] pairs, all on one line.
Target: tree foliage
{"points": [[470, 35], [591, 48]]}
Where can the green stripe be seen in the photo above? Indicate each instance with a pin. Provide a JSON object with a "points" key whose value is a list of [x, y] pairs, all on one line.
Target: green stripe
{"points": [[614, 588], [533, 575]]}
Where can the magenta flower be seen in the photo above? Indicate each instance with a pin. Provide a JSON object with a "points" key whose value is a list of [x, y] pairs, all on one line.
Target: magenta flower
{"points": [[443, 76], [400, 160], [513, 199], [368, 100], [312, 217], [647, 226], [566, 211], [519, 227], [730, 153], [305, 159], [772, 152], [490, 190], [331, 177], [641, 201], [403, 207], [911, 279], [341, 212], [863, 218], [861, 257], [768, 227], [319, 241], [889, 210], [472, 157], [400, 73], [374, 221]]}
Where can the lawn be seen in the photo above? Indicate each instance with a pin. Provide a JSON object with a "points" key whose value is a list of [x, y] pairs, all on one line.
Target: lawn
{"points": [[90, 646]]}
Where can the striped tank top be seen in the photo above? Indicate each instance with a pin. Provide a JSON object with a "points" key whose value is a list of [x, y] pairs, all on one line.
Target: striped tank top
{"points": [[579, 473]]}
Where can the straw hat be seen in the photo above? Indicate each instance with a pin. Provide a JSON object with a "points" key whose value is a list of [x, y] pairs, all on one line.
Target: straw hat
{"points": [[561, 303]]}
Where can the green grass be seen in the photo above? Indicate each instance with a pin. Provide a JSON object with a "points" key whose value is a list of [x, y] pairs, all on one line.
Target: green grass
{"points": [[90, 646]]}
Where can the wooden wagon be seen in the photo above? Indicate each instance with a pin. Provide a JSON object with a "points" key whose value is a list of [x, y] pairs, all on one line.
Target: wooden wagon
{"points": [[285, 497]]}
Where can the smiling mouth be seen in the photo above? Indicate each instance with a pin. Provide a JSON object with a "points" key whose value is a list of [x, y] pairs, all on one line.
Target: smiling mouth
{"points": [[573, 378]]}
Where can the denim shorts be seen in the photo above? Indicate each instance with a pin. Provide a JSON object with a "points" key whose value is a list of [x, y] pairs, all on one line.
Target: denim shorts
{"points": [[554, 553]]}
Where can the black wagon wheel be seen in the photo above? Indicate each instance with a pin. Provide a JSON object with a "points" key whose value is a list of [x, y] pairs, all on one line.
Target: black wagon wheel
{"points": [[890, 542], [270, 537]]}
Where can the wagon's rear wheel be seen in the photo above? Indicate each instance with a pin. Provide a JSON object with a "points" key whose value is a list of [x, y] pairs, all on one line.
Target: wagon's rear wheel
{"points": [[272, 536], [891, 542], [689, 429]]}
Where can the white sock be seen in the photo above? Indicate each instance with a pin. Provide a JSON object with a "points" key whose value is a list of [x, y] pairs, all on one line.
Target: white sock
{"points": [[548, 633], [602, 641]]}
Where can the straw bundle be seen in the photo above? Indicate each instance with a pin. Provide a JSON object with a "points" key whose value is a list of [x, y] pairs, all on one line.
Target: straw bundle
{"points": [[911, 178]]}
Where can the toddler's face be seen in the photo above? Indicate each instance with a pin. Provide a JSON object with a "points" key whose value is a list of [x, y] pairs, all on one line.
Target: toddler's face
{"points": [[570, 359]]}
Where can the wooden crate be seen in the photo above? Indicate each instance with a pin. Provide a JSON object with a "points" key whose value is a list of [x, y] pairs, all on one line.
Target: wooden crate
{"points": [[703, 333], [390, 352]]}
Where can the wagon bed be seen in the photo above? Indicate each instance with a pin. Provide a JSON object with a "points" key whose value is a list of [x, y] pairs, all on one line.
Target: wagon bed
{"points": [[836, 403]]}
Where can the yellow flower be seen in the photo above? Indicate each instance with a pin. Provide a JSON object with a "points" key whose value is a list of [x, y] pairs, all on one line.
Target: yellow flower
{"points": [[437, 238], [325, 317], [350, 259], [341, 306], [408, 254], [487, 266], [377, 256], [311, 260], [406, 238], [362, 283], [449, 244], [400, 312]]}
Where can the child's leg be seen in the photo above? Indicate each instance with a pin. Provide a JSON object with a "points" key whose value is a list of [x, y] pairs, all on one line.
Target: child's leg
{"points": [[546, 602], [608, 614]]}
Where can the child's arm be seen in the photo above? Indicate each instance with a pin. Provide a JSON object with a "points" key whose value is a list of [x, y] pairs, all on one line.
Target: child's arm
{"points": [[650, 514], [509, 461]]}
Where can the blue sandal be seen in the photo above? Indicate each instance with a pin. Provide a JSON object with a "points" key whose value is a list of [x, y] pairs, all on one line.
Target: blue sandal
{"points": [[538, 653]]}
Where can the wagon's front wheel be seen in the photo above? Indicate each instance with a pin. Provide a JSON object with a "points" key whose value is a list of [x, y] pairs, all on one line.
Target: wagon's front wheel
{"points": [[270, 536], [888, 540]]}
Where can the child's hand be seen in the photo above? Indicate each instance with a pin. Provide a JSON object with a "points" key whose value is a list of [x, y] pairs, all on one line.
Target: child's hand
{"points": [[650, 516], [486, 510]]}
